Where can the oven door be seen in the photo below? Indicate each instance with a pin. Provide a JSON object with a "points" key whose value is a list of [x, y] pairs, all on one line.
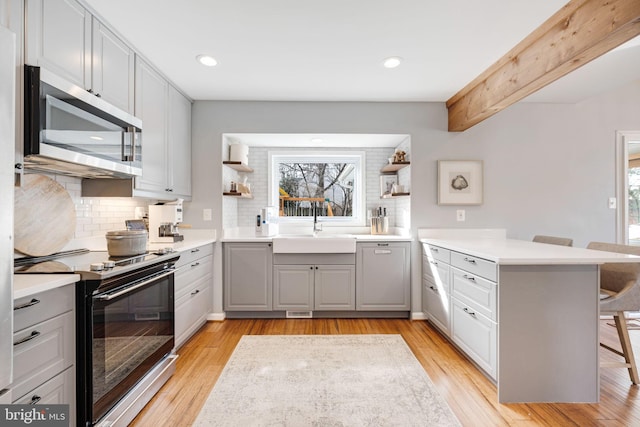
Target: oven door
{"points": [[132, 330]]}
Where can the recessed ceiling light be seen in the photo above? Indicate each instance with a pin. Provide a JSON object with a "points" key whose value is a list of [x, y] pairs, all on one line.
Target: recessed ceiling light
{"points": [[207, 60], [392, 62]]}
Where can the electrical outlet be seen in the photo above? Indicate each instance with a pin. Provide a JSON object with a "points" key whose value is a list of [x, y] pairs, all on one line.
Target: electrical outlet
{"points": [[460, 215], [612, 203], [207, 215]]}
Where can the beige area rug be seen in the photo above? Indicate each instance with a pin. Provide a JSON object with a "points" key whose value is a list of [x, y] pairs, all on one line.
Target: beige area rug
{"points": [[324, 380]]}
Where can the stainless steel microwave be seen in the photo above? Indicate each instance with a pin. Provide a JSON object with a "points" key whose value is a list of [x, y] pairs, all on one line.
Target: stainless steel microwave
{"points": [[70, 131]]}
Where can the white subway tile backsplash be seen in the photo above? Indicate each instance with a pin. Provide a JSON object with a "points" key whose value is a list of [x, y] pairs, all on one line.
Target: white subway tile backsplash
{"points": [[96, 215]]}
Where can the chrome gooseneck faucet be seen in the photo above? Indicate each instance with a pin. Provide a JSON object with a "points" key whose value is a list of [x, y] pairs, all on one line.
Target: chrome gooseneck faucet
{"points": [[316, 225]]}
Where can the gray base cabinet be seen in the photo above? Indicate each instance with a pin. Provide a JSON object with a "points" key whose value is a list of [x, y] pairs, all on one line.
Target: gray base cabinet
{"points": [[44, 349], [314, 287], [383, 276], [248, 277], [193, 288], [436, 289]]}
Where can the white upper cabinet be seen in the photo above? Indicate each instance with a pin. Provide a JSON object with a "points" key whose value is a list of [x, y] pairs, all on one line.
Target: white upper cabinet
{"points": [[179, 143], [151, 107], [166, 136], [63, 37]]}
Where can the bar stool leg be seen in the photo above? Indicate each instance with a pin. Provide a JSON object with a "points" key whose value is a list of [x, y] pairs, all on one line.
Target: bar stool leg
{"points": [[627, 349]]}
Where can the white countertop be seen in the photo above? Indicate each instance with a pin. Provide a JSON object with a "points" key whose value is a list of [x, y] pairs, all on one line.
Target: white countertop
{"points": [[25, 285], [521, 252], [247, 238]]}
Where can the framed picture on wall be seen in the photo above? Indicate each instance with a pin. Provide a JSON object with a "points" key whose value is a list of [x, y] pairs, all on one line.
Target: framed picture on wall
{"points": [[460, 182], [386, 184]]}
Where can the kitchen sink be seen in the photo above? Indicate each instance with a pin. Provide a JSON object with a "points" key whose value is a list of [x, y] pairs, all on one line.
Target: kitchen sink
{"points": [[314, 244]]}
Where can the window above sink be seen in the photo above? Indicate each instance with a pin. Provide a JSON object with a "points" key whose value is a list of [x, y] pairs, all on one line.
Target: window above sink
{"points": [[330, 182]]}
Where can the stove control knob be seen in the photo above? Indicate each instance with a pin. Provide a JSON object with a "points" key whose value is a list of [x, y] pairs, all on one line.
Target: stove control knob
{"points": [[97, 266], [109, 264]]}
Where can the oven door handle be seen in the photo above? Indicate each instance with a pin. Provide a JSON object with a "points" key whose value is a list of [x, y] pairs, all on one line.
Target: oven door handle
{"points": [[112, 295]]}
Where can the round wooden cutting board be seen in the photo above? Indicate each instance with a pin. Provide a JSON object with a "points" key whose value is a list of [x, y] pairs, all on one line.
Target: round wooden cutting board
{"points": [[45, 216]]}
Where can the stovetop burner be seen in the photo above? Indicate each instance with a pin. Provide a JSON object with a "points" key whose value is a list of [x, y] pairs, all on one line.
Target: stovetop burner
{"points": [[89, 264]]}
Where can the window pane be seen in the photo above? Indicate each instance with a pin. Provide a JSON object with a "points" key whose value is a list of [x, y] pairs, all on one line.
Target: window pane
{"points": [[329, 185]]}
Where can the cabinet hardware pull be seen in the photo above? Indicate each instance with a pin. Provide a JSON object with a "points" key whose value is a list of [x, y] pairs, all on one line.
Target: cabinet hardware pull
{"points": [[35, 399], [434, 250], [470, 260], [383, 244], [433, 262], [434, 289], [33, 301], [469, 278], [34, 334], [471, 313], [311, 268], [193, 251], [197, 291], [316, 267], [98, 95], [195, 264]]}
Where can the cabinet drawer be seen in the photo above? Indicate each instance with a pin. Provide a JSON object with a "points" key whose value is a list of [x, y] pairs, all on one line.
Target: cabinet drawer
{"points": [[475, 265], [436, 253], [191, 255], [59, 390], [476, 336], [42, 351], [436, 271], [475, 291], [191, 312], [189, 274], [437, 304], [31, 310]]}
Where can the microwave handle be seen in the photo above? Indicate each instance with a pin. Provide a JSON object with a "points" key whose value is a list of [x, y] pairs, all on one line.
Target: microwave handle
{"points": [[131, 157]]}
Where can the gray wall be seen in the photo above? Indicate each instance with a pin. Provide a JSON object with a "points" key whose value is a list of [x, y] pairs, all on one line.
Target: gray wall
{"points": [[548, 168]]}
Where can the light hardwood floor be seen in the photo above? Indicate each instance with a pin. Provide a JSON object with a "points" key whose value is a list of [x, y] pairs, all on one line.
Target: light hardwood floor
{"points": [[471, 396]]}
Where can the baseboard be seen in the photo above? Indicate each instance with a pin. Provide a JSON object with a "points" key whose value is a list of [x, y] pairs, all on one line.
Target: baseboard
{"points": [[418, 315], [216, 317]]}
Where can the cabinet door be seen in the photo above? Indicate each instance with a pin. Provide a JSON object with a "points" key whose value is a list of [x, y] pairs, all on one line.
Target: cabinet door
{"points": [[112, 68], [293, 287], [436, 303], [382, 277], [59, 39], [476, 336], [151, 107], [248, 277], [179, 143], [335, 287], [59, 390]]}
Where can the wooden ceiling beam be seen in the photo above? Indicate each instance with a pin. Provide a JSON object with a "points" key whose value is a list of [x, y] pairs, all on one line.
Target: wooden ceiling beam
{"points": [[578, 33]]}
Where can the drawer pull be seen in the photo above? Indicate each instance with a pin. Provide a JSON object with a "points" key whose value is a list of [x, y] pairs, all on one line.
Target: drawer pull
{"points": [[470, 260], [382, 251], [434, 289], [383, 244], [35, 399], [434, 250], [193, 251], [469, 278], [34, 334], [433, 262], [195, 264], [26, 304], [469, 312], [196, 292]]}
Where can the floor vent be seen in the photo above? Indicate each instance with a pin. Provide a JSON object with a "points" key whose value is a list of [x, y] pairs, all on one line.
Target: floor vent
{"points": [[299, 314]]}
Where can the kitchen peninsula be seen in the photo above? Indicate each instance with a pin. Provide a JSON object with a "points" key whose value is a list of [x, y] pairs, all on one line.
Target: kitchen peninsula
{"points": [[527, 313]]}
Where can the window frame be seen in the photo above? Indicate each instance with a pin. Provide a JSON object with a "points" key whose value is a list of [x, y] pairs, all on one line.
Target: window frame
{"points": [[330, 156]]}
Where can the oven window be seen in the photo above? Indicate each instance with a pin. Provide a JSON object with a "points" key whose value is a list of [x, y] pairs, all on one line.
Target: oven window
{"points": [[131, 334]]}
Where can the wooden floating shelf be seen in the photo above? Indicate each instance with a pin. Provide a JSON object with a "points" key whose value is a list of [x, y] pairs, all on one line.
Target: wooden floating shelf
{"points": [[236, 194], [394, 167], [392, 195], [240, 167]]}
